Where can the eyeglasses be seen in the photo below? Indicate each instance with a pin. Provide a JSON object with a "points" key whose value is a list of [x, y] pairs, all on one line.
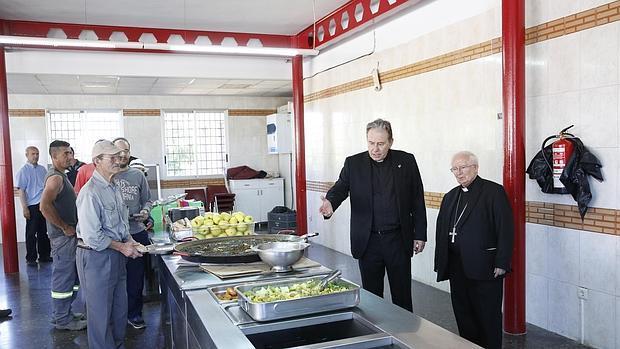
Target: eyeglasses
{"points": [[112, 158], [460, 168]]}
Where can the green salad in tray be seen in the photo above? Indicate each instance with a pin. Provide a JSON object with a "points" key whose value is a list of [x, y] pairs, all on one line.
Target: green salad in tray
{"points": [[309, 288]]}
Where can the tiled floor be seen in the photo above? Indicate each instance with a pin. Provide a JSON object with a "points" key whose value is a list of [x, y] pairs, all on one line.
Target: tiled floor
{"points": [[28, 294]]}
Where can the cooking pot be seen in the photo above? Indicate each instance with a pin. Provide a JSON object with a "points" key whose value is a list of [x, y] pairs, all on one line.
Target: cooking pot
{"points": [[280, 255]]}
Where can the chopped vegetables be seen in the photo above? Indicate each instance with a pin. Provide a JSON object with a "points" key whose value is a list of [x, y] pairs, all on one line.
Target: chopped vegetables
{"points": [[309, 288]]}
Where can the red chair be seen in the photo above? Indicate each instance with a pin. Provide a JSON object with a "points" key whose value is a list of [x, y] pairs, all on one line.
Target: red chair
{"points": [[197, 194], [218, 196]]}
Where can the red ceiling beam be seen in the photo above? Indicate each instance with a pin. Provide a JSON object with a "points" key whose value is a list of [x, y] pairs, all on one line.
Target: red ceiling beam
{"points": [[103, 32], [348, 19]]}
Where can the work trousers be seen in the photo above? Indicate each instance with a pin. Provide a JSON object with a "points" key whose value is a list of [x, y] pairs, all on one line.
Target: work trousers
{"points": [[66, 297], [36, 235], [477, 306], [386, 252], [105, 277], [135, 278]]}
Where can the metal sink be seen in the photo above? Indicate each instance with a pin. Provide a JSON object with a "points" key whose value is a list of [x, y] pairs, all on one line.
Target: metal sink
{"points": [[333, 330]]}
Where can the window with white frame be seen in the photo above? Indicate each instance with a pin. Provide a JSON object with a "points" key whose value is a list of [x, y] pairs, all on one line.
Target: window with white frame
{"points": [[195, 143], [82, 128]]}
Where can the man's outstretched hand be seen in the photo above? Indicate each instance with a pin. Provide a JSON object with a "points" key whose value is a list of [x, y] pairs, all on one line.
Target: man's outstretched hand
{"points": [[326, 208]]}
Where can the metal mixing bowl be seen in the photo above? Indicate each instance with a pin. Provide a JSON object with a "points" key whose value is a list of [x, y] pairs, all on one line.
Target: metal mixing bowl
{"points": [[280, 255]]}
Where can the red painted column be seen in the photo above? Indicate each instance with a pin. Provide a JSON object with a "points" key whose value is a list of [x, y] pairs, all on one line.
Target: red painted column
{"points": [[7, 198], [300, 147], [513, 45]]}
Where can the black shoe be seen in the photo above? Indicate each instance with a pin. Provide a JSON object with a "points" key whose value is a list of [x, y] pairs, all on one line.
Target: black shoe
{"points": [[137, 323], [5, 313], [45, 260], [32, 263]]}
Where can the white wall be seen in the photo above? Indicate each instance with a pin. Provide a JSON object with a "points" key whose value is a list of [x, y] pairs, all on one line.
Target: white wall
{"points": [[573, 79]]}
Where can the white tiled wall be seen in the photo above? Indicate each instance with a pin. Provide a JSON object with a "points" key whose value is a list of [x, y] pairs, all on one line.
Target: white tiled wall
{"points": [[563, 309], [573, 79], [558, 262], [600, 320]]}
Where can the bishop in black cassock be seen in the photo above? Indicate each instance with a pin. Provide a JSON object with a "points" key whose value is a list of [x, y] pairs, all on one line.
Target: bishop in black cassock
{"points": [[474, 239]]}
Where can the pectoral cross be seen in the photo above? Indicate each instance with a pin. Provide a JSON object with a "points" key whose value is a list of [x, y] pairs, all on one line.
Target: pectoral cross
{"points": [[453, 234]]}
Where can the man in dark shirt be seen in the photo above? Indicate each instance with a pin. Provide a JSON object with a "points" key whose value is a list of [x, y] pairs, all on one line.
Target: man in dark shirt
{"points": [[388, 214], [58, 208], [74, 166]]}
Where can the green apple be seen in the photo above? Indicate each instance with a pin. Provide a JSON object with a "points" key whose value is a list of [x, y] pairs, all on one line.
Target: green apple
{"points": [[233, 220], [216, 231], [230, 231], [216, 219], [248, 219], [207, 222]]}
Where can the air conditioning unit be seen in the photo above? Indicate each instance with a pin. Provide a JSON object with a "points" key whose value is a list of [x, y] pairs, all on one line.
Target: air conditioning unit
{"points": [[279, 137]]}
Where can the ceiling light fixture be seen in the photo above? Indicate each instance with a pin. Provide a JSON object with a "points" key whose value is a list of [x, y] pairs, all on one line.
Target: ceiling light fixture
{"points": [[232, 50], [30, 41], [189, 48]]}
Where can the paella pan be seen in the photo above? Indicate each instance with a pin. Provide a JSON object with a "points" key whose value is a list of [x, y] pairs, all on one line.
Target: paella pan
{"points": [[231, 249]]}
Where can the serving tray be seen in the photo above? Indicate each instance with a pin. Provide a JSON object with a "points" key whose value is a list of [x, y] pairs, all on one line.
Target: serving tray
{"points": [[301, 306]]}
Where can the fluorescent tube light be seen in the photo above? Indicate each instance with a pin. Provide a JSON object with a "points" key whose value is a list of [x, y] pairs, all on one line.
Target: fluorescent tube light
{"points": [[33, 41], [189, 48]]}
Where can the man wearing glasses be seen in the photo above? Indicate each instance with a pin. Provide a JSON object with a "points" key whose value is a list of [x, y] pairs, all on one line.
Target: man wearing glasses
{"points": [[474, 239], [137, 196], [104, 244]]}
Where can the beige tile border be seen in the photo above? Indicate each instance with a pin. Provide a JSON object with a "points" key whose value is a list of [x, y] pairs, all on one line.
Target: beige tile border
{"points": [[144, 112], [190, 183], [251, 112], [598, 220], [597, 16], [141, 112], [27, 113]]}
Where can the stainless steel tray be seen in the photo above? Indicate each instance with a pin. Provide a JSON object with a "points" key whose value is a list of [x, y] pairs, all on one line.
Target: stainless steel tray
{"points": [[218, 291], [300, 306]]}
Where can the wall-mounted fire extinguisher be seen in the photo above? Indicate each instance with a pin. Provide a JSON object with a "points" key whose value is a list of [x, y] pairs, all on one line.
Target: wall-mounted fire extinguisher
{"points": [[562, 148]]}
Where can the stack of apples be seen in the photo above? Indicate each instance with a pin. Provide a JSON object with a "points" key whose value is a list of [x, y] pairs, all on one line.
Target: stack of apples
{"points": [[212, 225]]}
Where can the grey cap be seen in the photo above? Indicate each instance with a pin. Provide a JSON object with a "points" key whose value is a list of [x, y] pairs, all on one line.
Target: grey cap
{"points": [[104, 147]]}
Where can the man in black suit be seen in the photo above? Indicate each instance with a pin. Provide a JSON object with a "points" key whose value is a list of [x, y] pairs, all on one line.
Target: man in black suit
{"points": [[388, 215], [473, 250]]}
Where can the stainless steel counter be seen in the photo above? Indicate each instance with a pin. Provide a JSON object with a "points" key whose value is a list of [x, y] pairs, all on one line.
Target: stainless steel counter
{"points": [[200, 321]]}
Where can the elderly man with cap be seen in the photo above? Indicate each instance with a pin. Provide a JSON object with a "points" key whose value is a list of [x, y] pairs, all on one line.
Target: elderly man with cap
{"points": [[104, 246]]}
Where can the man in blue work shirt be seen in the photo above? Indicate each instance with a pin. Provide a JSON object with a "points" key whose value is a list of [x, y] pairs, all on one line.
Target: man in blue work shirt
{"points": [[30, 182], [104, 243]]}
